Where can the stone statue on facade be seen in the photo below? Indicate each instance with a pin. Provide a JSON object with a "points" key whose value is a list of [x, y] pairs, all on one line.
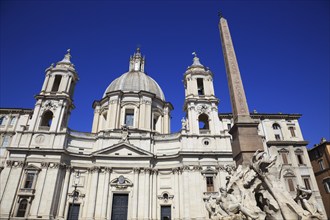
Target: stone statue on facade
{"points": [[124, 134], [184, 124], [256, 192]]}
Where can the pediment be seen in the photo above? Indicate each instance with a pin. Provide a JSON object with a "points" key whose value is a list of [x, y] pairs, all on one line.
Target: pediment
{"points": [[283, 150], [123, 150], [32, 167]]}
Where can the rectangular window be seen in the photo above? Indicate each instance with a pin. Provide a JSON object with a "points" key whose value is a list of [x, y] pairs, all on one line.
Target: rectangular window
{"points": [[129, 117], [291, 185], [321, 164], [306, 182], [228, 126], [56, 84], [5, 141], [327, 185], [277, 137], [284, 158], [209, 184], [21, 211], [200, 86], [293, 134], [300, 159], [155, 122], [29, 180]]}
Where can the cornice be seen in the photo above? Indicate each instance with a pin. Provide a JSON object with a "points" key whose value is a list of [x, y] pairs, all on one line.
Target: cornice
{"points": [[283, 143], [262, 116], [16, 111]]}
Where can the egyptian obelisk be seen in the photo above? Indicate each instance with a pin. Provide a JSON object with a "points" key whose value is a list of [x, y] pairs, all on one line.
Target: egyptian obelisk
{"points": [[245, 130]]}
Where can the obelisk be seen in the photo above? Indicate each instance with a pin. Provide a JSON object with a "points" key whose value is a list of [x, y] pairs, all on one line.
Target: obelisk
{"points": [[245, 130]]}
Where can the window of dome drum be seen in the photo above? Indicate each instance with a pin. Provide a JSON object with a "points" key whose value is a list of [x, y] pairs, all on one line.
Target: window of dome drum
{"points": [[129, 117]]}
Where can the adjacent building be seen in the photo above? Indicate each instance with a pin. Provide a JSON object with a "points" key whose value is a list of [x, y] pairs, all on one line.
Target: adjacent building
{"points": [[320, 159]]}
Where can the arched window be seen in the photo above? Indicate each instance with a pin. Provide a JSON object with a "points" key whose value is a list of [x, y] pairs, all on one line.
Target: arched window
{"points": [[46, 120], [276, 126], [277, 131], [203, 121], [22, 208], [12, 121]]}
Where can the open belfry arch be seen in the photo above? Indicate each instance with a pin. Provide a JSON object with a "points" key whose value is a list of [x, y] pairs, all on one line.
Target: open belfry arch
{"points": [[130, 166]]}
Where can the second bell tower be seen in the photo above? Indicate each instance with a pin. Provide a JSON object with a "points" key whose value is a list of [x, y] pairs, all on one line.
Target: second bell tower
{"points": [[54, 102], [201, 105]]}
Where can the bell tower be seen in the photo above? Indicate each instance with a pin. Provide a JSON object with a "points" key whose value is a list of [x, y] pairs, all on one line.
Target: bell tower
{"points": [[201, 105], [54, 102]]}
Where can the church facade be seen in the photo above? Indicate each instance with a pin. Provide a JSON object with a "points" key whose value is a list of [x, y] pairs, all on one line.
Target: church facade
{"points": [[131, 166]]}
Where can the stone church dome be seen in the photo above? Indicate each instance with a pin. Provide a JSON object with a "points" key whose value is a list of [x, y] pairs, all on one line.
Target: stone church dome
{"points": [[136, 80]]}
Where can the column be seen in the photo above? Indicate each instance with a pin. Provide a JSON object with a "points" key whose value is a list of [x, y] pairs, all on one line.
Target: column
{"points": [[44, 85], [154, 194], [96, 119], [135, 192], [64, 192], [106, 192], [141, 194], [186, 192], [86, 199], [8, 198], [181, 192], [176, 213], [92, 192], [147, 193], [62, 105]]}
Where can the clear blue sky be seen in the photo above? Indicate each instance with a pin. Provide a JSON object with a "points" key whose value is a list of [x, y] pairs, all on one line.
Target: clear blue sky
{"points": [[282, 49]]}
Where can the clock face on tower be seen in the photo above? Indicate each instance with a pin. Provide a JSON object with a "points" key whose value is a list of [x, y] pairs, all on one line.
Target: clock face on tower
{"points": [[202, 108]]}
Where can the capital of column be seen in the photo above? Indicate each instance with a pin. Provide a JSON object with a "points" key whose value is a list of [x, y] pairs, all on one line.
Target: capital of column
{"points": [[93, 169], [136, 169], [107, 169], [185, 168], [12, 163], [197, 168]]}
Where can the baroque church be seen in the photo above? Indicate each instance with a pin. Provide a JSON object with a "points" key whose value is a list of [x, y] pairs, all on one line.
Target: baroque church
{"points": [[130, 166]]}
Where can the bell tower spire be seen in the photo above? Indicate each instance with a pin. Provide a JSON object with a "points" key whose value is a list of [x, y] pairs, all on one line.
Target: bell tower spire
{"points": [[244, 132]]}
